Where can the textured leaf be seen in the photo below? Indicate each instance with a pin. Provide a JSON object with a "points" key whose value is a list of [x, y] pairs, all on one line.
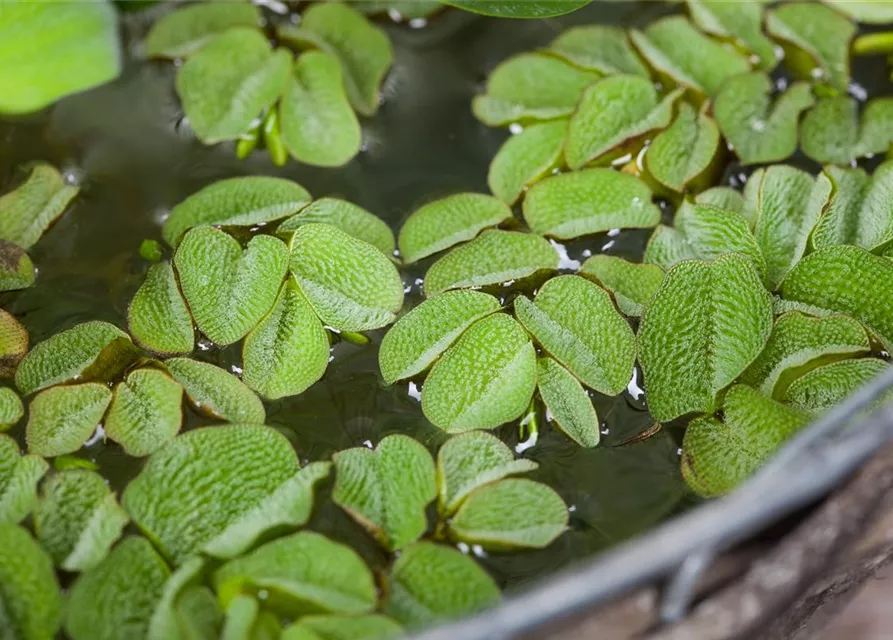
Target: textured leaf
{"points": [[116, 598], [363, 49], [186, 30], [229, 289], [710, 232], [567, 403], [470, 461], [832, 132], [304, 573], [78, 519], [722, 198], [50, 51], [16, 269], [701, 330], [738, 21], [28, 211], [519, 8], [815, 37], [146, 411], [789, 205], [19, 476], [239, 202], [11, 409], [492, 258], [216, 393], [666, 247], [585, 202], [223, 473], [62, 419], [32, 602], [484, 380], [447, 222], [387, 490], [431, 582], [526, 158], [318, 124], [576, 323], [869, 11], [350, 284], [510, 514], [799, 343], [613, 112], [226, 85], [718, 456], [368, 627], [419, 337], [820, 389], [350, 218], [847, 280], [684, 151], [759, 129], [531, 87], [289, 350], [157, 317], [632, 285], [598, 48], [674, 48], [13, 347], [68, 355], [859, 212]]}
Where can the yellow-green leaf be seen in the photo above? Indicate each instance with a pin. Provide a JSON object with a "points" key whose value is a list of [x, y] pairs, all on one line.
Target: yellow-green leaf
{"points": [[32, 600], [157, 317], [61, 419], [187, 29], [859, 212], [146, 411], [525, 158], [13, 344], [740, 21], [568, 404], [28, 211], [684, 151], [820, 389], [350, 218], [16, 268], [215, 392], [600, 48], [631, 284], [19, 476]]}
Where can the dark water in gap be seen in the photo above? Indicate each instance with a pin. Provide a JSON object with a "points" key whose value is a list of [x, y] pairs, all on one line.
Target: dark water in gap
{"points": [[137, 162]]}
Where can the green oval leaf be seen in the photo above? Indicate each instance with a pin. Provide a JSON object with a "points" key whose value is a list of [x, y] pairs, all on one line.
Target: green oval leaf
{"points": [[19, 476], [289, 350], [576, 323], [16, 268], [847, 280], [318, 125], [710, 232], [820, 389], [146, 411], [484, 380], [240, 202], [78, 519], [814, 37], [350, 218], [447, 222], [759, 129], [799, 343], [186, 30], [116, 598], [519, 8], [598, 48], [62, 419], [28, 211], [632, 285], [611, 113], [676, 49], [368, 627], [684, 151], [741, 22], [510, 514], [525, 158], [68, 355], [157, 317], [32, 602], [387, 490], [226, 85], [54, 51], [531, 87], [430, 582], [859, 211], [833, 133], [223, 473], [351, 285], [303, 573], [717, 456], [585, 202], [569, 407], [701, 330], [419, 337], [216, 393], [11, 409], [470, 461], [229, 289]]}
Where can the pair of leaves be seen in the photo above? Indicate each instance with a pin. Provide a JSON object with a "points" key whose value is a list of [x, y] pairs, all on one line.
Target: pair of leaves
{"points": [[834, 133], [859, 212]]}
